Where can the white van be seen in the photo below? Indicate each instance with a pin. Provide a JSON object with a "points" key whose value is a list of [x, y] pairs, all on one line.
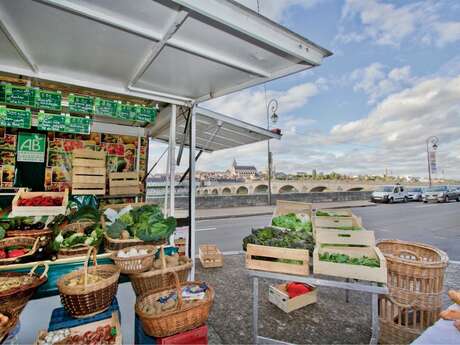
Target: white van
{"points": [[390, 194]]}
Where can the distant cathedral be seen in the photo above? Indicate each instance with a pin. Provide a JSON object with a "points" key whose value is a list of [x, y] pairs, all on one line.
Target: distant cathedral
{"points": [[246, 171]]}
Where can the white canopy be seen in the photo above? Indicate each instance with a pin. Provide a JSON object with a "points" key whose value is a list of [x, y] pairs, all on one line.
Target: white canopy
{"points": [[177, 51]]}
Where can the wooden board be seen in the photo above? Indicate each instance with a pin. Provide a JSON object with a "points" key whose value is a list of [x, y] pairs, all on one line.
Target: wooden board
{"points": [[332, 222], [256, 253], [374, 274], [337, 212], [347, 237], [284, 207], [210, 256], [31, 211], [278, 295], [89, 172], [124, 183]]}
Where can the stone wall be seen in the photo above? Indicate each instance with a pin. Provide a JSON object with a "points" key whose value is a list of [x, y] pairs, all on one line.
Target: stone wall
{"points": [[224, 201]]}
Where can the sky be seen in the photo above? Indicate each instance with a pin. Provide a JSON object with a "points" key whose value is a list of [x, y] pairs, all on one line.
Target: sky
{"points": [[393, 81]]}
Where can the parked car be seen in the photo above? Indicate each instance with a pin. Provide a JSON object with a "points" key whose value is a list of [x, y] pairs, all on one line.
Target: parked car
{"points": [[390, 194], [441, 194], [415, 193]]}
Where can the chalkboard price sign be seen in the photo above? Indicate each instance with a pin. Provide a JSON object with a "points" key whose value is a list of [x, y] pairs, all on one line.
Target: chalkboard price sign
{"points": [[64, 123], [105, 107], [81, 104], [21, 95], [146, 114], [50, 100], [15, 118]]}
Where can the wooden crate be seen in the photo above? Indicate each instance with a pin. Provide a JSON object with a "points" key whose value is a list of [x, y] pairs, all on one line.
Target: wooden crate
{"points": [[277, 294], [124, 183], [257, 255], [31, 211], [210, 256], [89, 172], [332, 222], [337, 211], [355, 222], [337, 241], [284, 207]]}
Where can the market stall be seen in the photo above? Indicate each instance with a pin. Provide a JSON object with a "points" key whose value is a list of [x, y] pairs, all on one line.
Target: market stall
{"points": [[85, 86]]}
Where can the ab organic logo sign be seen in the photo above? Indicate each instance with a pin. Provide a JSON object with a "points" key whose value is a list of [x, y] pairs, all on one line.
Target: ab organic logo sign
{"points": [[31, 147]]}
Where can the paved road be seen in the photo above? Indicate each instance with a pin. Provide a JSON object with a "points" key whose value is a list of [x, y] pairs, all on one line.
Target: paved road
{"points": [[436, 224]]}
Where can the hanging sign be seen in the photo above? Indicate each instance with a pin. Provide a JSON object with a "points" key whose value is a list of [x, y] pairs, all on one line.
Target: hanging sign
{"points": [[15, 118], [127, 112], [81, 104], [21, 95], [105, 107], [50, 100], [146, 114], [31, 147], [63, 123]]}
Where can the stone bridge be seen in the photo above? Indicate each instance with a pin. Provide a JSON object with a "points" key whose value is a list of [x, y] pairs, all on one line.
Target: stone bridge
{"points": [[281, 187]]}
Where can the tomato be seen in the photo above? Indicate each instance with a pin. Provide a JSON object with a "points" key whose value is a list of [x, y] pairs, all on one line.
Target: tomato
{"points": [[16, 253], [2, 254]]}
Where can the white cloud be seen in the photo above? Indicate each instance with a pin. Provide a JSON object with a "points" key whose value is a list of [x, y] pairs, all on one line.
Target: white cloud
{"points": [[448, 32], [376, 82], [276, 9], [388, 24]]}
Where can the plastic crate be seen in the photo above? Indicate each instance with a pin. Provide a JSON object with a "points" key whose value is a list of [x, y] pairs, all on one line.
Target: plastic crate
{"points": [[197, 336]]}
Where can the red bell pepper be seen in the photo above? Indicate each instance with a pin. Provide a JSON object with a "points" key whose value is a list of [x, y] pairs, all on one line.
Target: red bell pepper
{"points": [[2, 254], [14, 253]]}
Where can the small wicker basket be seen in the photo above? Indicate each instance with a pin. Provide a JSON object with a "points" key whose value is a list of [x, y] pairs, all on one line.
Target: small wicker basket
{"points": [[45, 235], [78, 250], [185, 316], [13, 320], [15, 299], [22, 241], [86, 300], [155, 279], [135, 264]]}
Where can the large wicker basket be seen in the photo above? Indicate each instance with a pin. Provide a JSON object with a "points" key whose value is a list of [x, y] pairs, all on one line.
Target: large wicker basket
{"points": [[185, 316], [45, 235], [135, 264], [416, 281], [89, 299], [114, 245], [21, 241], [78, 250], [155, 279], [15, 299], [13, 320]]}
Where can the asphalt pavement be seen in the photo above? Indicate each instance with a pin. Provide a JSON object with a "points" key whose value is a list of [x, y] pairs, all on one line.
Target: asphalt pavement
{"points": [[436, 224]]}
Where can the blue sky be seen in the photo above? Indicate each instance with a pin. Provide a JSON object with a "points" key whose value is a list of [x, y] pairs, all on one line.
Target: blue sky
{"points": [[394, 80]]}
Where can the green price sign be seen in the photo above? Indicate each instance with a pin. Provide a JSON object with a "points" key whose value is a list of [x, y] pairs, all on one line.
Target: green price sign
{"points": [[31, 147], [15, 118], [63, 123]]}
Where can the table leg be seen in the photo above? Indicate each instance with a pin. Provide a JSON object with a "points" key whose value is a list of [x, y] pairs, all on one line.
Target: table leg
{"points": [[375, 319], [347, 292], [255, 308]]}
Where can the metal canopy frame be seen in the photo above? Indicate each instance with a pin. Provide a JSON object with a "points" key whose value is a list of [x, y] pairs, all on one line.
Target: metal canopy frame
{"points": [[224, 47]]}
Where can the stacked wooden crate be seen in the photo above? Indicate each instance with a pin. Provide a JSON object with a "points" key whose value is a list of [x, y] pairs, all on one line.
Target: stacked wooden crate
{"points": [[89, 172], [124, 183]]}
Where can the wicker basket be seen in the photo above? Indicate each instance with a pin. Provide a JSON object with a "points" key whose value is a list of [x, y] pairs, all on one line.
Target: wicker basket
{"points": [[19, 241], [45, 235], [415, 273], [13, 320], [158, 278], [78, 250], [89, 299], [185, 316], [14, 300], [114, 245], [135, 264]]}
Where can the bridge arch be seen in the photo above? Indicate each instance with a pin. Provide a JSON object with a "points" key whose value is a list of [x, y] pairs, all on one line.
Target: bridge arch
{"points": [[205, 192], [355, 189], [226, 191], [215, 192], [318, 189], [288, 189], [242, 190], [261, 189]]}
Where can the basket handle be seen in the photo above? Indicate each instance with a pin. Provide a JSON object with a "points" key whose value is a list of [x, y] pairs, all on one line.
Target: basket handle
{"points": [[162, 257], [93, 251], [45, 272], [37, 241], [178, 289], [399, 304], [407, 251]]}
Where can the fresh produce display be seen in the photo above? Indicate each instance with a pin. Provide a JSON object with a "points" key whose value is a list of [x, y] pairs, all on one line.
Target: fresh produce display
{"points": [[275, 237], [320, 213], [146, 223], [41, 201], [103, 335], [91, 236], [85, 214], [346, 259], [92, 279], [292, 222], [25, 223], [13, 252], [53, 337], [171, 261], [132, 252], [7, 283]]}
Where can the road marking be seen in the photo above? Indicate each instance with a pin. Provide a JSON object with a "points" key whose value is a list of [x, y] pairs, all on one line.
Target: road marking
{"points": [[206, 229], [429, 205], [454, 262]]}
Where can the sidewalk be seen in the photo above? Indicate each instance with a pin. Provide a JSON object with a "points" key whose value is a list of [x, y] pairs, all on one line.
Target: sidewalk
{"points": [[248, 211]]}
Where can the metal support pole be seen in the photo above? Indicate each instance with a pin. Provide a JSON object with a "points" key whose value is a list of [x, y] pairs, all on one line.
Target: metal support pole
{"points": [[192, 189], [172, 163], [138, 162], [255, 309], [375, 319]]}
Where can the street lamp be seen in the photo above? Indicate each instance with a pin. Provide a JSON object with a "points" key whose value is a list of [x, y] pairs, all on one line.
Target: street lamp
{"points": [[272, 107], [433, 140]]}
